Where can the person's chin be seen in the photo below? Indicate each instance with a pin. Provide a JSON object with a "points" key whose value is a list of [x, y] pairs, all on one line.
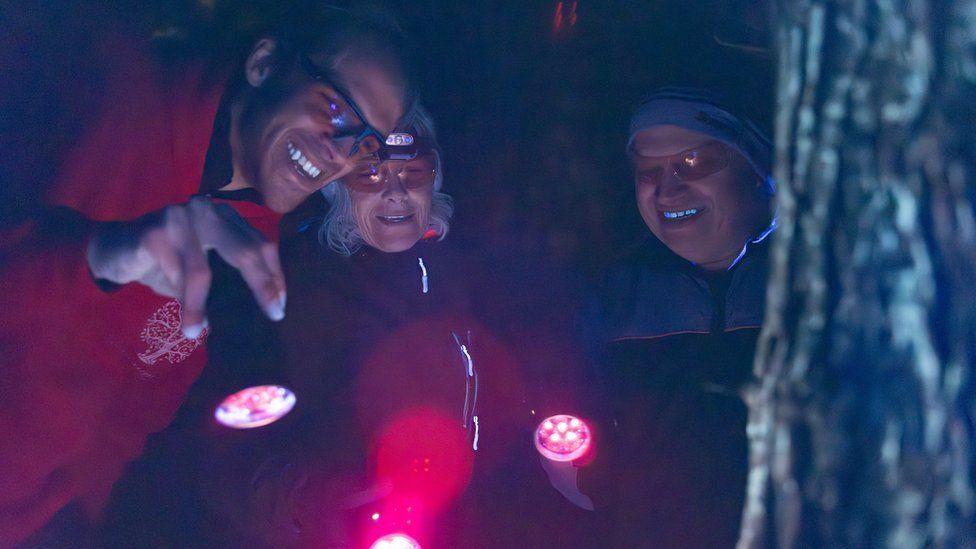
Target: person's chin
{"points": [[697, 250], [281, 204], [284, 191], [283, 198], [398, 239]]}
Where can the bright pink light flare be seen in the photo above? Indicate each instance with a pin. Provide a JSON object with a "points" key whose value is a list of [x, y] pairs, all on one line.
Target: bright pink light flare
{"points": [[255, 406], [395, 541], [426, 456], [562, 437]]}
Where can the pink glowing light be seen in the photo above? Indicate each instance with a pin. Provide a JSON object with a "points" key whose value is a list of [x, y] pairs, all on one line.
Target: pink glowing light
{"points": [[255, 406], [562, 438], [395, 541]]}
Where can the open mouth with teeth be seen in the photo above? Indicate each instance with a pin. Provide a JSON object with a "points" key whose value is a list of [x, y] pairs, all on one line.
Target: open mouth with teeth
{"points": [[395, 219], [680, 215], [302, 164]]}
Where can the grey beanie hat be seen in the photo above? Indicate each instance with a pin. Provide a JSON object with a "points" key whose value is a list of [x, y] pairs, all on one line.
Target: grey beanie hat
{"points": [[702, 111]]}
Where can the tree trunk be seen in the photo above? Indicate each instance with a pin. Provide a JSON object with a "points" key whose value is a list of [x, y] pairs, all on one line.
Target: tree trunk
{"points": [[861, 423]]}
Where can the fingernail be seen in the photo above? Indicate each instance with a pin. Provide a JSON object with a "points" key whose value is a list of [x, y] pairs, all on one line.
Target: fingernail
{"points": [[276, 309], [192, 332]]}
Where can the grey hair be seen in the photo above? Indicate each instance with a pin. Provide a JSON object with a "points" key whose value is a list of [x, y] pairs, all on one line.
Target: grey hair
{"points": [[339, 230]]}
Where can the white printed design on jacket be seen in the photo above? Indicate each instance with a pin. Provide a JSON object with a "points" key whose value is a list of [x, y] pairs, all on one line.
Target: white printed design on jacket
{"points": [[163, 336]]}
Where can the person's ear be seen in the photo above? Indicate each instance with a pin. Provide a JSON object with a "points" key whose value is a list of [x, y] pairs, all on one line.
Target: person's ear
{"points": [[260, 63]]}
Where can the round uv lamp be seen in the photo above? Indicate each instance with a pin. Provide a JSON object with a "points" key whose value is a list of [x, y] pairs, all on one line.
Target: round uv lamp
{"points": [[395, 541], [255, 406], [562, 437]]}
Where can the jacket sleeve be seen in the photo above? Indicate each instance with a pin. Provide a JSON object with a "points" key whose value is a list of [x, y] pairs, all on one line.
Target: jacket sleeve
{"points": [[46, 286], [88, 121]]}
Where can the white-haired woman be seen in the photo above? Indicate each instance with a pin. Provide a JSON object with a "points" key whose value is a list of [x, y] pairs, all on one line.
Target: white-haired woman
{"points": [[390, 204], [384, 341]]}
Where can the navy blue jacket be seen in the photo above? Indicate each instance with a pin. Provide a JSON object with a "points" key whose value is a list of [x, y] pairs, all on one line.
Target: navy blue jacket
{"points": [[677, 345]]}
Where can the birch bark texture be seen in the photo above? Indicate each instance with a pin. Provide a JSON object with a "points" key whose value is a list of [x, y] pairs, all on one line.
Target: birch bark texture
{"points": [[861, 419]]}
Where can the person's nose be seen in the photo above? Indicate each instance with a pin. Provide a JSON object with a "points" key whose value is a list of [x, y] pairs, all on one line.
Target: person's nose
{"points": [[670, 186], [329, 144], [393, 188]]}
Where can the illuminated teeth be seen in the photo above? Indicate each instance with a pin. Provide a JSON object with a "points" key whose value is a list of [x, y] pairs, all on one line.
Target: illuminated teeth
{"points": [[395, 218], [680, 214], [302, 161]]}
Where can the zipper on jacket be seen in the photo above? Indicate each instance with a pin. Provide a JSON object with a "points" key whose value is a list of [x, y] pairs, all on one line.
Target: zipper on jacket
{"points": [[469, 414], [423, 275]]}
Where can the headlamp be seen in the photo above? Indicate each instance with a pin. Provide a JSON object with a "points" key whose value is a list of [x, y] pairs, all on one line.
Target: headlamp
{"points": [[403, 146]]}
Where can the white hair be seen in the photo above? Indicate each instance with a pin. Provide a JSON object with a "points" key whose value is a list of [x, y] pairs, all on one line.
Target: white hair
{"points": [[339, 230]]}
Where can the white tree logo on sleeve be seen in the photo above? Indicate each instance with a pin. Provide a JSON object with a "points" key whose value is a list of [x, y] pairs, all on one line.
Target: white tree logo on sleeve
{"points": [[163, 336]]}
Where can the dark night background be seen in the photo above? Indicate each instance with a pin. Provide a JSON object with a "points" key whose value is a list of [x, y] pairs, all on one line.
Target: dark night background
{"points": [[533, 118], [532, 115]]}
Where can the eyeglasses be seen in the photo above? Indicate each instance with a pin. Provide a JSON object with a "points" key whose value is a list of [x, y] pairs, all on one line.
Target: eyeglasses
{"points": [[688, 165], [414, 173], [345, 116]]}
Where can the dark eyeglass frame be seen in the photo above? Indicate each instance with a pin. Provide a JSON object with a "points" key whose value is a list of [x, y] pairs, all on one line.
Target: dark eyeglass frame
{"points": [[322, 76], [671, 159]]}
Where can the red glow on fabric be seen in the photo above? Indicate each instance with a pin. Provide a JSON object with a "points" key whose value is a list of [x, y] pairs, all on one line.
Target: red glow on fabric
{"points": [[419, 366], [426, 456], [395, 541], [396, 515]]}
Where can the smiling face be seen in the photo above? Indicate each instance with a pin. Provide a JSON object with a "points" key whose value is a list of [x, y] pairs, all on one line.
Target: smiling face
{"points": [[704, 219], [294, 134], [391, 204]]}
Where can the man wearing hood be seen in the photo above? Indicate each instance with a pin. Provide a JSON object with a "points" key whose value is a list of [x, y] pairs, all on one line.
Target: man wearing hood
{"points": [[678, 320]]}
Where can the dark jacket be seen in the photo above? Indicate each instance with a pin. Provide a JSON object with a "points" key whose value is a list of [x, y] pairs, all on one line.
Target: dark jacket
{"points": [[678, 345], [386, 402]]}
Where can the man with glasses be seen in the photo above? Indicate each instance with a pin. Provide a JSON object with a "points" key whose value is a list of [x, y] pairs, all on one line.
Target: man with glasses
{"points": [[289, 483], [678, 320], [175, 161]]}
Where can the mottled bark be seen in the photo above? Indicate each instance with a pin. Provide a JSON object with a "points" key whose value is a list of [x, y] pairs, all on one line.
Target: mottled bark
{"points": [[861, 423]]}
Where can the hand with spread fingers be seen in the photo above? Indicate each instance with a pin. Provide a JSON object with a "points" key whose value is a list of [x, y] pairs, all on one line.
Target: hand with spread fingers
{"points": [[167, 251]]}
